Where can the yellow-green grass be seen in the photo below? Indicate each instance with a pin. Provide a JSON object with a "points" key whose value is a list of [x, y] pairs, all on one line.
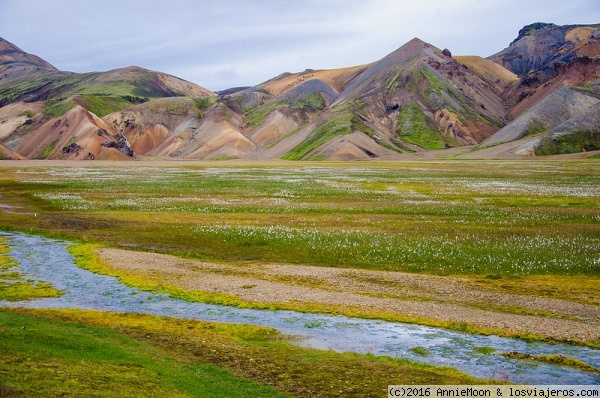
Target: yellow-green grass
{"points": [[26, 290], [13, 286], [48, 352], [553, 359]]}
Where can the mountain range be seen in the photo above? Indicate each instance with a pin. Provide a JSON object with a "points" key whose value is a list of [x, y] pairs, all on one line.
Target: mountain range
{"points": [[539, 96]]}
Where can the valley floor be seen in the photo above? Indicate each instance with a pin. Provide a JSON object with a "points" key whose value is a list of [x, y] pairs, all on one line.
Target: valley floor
{"points": [[498, 246]]}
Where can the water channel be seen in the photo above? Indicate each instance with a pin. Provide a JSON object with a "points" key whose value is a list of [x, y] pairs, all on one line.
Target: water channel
{"points": [[48, 260]]}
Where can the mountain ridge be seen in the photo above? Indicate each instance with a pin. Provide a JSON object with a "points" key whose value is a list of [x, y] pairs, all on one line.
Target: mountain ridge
{"points": [[418, 98]]}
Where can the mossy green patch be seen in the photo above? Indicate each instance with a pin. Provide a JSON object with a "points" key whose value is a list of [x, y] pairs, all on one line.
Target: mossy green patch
{"points": [[412, 127], [48, 150], [19, 291], [58, 107], [257, 114], [452, 97], [102, 105], [580, 141], [393, 82], [312, 101], [334, 126], [535, 128], [202, 104], [16, 89], [485, 350], [422, 351]]}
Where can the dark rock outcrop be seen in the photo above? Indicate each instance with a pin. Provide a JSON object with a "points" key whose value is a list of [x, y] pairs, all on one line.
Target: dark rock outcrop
{"points": [[73, 148], [540, 46], [122, 144]]}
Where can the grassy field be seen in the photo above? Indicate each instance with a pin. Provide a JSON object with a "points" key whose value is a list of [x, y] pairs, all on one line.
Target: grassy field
{"points": [[516, 226], [488, 218]]}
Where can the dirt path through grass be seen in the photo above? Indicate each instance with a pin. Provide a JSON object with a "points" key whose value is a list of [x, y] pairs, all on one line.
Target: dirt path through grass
{"points": [[472, 301]]}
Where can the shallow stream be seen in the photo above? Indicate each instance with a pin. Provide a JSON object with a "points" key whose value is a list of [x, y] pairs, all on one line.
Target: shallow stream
{"points": [[48, 260]]}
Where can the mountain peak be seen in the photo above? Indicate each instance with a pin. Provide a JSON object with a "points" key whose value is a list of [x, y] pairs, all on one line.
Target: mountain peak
{"points": [[11, 54], [411, 49], [413, 45], [532, 29], [415, 41], [6, 46]]}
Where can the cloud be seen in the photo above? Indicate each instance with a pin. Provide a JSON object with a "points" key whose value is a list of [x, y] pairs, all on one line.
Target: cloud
{"points": [[233, 43]]}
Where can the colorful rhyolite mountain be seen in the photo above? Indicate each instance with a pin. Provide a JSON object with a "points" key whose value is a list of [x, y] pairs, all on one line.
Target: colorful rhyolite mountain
{"points": [[539, 96]]}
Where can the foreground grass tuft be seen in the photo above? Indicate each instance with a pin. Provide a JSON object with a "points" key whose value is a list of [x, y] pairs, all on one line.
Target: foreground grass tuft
{"points": [[553, 359]]}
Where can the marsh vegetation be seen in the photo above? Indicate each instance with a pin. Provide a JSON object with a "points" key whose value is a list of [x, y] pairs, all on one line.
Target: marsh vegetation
{"points": [[488, 218]]}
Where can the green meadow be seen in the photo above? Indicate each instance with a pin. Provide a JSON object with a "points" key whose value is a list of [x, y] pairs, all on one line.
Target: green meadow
{"points": [[499, 219]]}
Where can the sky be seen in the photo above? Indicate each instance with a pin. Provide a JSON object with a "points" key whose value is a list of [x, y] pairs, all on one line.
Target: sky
{"points": [[230, 43]]}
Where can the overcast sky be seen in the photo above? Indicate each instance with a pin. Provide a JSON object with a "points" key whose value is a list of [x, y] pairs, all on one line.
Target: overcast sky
{"points": [[227, 43]]}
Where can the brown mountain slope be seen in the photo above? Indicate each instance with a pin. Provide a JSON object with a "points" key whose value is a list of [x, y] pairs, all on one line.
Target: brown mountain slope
{"points": [[78, 134], [7, 154], [16, 63], [335, 78], [499, 78], [62, 115], [559, 69], [421, 95], [578, 72], [147, 83], [16, 115], [540, 53], [182, 128], [11, 54], [378, 107], [416, 98]]}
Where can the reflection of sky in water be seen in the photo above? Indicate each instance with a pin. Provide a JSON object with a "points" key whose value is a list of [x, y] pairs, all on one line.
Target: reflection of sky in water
{"points": [[48, 260]]}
